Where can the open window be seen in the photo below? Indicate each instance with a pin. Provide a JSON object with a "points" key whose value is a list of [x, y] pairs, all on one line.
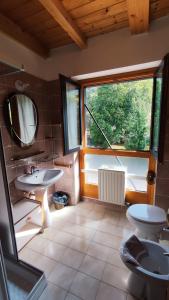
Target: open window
{"points": [[130, 117], [122, 107], [70, 92], [123, 111], [160, 96]]}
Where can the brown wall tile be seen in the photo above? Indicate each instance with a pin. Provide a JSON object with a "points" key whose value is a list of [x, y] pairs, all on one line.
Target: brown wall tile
{"points": [[46, 96]]}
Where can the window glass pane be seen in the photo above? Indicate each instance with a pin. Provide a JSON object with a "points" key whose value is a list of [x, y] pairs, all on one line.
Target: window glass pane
{"points": [[157, 111], [123, 111], [136, 168], [72, 94]]}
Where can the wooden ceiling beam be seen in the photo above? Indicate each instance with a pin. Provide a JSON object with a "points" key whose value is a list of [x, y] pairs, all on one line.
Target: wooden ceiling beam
{"points": [[56, 9], [12, 30], [138, 14]]}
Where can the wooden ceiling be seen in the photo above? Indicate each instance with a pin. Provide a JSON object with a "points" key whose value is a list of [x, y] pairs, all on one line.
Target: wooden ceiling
{"points": [[42, 25]]}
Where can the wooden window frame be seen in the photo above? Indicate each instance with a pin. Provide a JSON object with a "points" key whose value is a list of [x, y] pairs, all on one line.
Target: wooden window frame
{"points": [[91, 191]]}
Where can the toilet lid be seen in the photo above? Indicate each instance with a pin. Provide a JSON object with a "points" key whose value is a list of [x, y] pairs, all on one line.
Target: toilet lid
{"points": [[147, 213]]}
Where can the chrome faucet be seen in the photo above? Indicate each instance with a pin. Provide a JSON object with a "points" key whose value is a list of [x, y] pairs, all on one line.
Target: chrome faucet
{"points": [[31, 170]]}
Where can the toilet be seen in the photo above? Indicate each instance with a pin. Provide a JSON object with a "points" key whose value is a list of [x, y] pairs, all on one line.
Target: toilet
{"points": [[148, 220]]}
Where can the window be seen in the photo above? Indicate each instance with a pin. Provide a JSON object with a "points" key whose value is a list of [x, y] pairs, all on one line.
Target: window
{"points": [[136, 169], [123, 112], [70, 92]]}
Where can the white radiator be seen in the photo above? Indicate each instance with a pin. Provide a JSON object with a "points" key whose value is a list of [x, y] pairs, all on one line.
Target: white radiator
{"points": [[111, 184]]}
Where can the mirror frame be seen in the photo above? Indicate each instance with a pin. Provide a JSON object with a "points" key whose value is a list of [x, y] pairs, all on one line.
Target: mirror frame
{"points": [[10, 128]]}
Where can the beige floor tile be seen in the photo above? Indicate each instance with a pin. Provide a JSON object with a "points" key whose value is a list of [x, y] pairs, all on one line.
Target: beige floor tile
{"points": [[72, 258], [80, 231], [124, 222], [78, 219], [59, 236], [80, 210], [58, 223], [115, 276], [92, 266], [63, 214], [45, 264], [37, 244], [79, 244], [87, 205], [62, 238], [98, 251], [62, 276], [86, 237], [112, 221], [54, 250], [48, 233], [84, 286], [106, 227], [114, 258], [83, 221], [107, 292], [92, 223], [123, 232], [111, 217], [99, 208], [28, 255], [64, 219], [107, 239], [96, 215], [119, 231], [52, 292], [71, 297]]}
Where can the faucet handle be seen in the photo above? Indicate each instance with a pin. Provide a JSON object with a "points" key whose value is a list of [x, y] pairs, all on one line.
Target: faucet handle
{"points": [[27, 169], [34, 169], [30, 169]]}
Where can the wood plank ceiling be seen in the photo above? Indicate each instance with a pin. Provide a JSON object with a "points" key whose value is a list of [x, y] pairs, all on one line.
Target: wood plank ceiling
{"points": [[42, 25]]}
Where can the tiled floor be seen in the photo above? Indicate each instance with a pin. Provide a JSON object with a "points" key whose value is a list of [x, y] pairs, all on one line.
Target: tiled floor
{"points": [[79, 254]]}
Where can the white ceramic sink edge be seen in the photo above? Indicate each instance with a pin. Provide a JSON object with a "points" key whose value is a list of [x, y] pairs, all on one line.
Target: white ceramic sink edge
{"points": [[40, 179]]}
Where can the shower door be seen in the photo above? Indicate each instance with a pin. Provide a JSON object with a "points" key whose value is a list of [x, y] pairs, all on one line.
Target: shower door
{"points": [[3, 279]]}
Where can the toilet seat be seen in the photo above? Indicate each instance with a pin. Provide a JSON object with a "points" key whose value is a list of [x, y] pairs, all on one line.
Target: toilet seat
{"points": [[147, 213]]}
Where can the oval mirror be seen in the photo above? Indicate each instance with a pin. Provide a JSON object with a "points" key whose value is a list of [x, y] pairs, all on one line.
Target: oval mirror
{"points": [[22, 118]]}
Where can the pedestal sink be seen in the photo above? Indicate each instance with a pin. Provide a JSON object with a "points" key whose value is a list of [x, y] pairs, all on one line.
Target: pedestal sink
{"points": [[39, 181]]}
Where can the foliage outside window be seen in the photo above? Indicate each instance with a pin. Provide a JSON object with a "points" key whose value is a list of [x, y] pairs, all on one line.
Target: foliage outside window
{"points": [[157, 114], [123, 111]]}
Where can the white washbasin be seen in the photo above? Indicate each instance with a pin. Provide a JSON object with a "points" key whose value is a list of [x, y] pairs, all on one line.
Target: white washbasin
{"points": [[40, 179]]}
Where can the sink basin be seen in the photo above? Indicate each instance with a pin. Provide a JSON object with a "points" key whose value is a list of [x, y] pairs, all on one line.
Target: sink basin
{"points": [[40, 179]]}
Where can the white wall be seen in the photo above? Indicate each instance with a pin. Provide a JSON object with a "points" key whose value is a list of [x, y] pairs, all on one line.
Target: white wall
{"points": [[112, 50], [108, 51], [17, 55]]}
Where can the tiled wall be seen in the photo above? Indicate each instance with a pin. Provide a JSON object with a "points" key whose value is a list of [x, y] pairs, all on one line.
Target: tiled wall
{"points": [[49, 136], [162, 182]]}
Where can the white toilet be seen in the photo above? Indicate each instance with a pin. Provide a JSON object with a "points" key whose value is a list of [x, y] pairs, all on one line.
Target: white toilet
{"points": [[148, 220]]}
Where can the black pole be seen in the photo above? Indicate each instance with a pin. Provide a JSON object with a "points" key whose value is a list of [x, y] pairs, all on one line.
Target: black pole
{"points": [[98, 126]]}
